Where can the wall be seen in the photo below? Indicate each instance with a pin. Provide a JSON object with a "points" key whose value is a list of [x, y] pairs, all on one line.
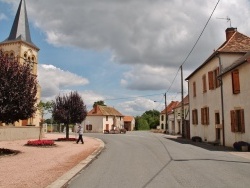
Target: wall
{"points": [[237, 101], [19, 133], [211, 98]]}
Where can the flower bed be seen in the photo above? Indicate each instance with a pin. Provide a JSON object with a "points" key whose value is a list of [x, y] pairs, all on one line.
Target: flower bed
{"points": [[66, 139], [42, 143]]}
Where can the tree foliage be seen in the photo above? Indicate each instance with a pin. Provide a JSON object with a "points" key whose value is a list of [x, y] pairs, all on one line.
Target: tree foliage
{"points": [[18, 89], [69, 109], [44, 108], [101, 103], [148, 120]]}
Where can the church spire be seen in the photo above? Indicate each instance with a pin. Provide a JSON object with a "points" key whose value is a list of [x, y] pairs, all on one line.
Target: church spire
{"points": [[20, 28]]}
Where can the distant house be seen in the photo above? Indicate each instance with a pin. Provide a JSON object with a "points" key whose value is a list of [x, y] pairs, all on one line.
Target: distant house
{"points": [[102, 118], [211, 100], [236, 97], [129, 123], [176, 126], [165, 114]]}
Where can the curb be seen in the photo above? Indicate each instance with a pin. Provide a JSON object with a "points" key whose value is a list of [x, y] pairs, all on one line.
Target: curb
{"points": [[65, 178]]}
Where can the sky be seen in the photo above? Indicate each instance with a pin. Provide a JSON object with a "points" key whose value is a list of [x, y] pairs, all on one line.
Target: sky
{"points": [[126, 53]]}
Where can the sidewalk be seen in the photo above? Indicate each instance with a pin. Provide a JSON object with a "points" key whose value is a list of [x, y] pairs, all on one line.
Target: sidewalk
{"points": [[205, 145], [37, 167]]}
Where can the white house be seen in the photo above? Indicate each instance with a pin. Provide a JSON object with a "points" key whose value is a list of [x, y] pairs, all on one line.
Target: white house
{"points": [[102, 118], [236, 100], [206, 92]]}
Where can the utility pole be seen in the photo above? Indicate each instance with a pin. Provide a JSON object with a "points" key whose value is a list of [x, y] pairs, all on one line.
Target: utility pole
{"points": [[166, 123], [182, 107]]}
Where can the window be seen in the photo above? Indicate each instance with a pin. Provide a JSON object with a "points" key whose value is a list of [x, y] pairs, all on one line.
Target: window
{"points": [[216, 74], [205, 116], [217, 118], [162, 117], [107, 118], [213, 81], [236, 82], [89, 127], [194, 89], [195, 117], [237, 121], [204, 83]]}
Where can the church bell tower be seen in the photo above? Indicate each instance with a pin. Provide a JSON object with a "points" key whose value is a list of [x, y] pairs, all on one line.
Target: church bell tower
{"points": [[19, 45]]}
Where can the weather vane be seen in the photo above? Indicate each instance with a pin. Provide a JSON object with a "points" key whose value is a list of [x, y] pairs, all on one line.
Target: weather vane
{"points": [[228, 20]]}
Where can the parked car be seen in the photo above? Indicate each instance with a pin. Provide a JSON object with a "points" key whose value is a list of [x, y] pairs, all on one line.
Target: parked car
{"points": [[115, 131]]}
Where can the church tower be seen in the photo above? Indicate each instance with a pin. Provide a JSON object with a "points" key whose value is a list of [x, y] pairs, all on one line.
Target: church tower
{"points": [[20, 47]]}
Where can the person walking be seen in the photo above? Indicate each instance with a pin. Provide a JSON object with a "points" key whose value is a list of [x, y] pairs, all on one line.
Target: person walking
{"points": [[80, 133]]}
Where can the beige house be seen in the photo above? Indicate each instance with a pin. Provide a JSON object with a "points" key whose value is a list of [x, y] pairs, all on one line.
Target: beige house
{"points": [[177, 126], [19, 46], [129, 123], [167, 116], [207, 103], [236, 97], [102, 118]]}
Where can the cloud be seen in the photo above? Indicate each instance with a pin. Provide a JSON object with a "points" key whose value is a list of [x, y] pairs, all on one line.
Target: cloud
{"points": [[159, 33], [3, 17], [54, 80]]}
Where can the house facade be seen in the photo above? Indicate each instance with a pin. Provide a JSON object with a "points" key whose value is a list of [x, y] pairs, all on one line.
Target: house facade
{"points": [[236, 97], [20, 47], [102, 118], [206, 90], [166, 116], [129, 123], [177, 125]]}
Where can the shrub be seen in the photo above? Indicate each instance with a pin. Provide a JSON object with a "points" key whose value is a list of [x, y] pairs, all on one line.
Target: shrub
{"points": [[196, 139], [40, 143]]}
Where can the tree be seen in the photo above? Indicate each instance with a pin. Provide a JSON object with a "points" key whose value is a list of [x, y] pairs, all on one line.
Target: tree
{"points": [[18, 89], [44, 108], [101, 103], [152, 117], [69, 109]]}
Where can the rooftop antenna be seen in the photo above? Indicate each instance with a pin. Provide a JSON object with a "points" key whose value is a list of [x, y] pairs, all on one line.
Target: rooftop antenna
{"points": [[228, 20]]}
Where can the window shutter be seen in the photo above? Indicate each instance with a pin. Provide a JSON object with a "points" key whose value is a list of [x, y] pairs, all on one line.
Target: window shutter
{"points": [[193, 117], [236, 82], [211, 80], [217, 81], [207, 115], [202, 116], [242, 120], [204, 83], [232, 113], [194, 89], [196, 116]]}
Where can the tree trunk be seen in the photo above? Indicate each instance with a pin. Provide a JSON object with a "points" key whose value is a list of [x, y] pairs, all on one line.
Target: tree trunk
{"points": [[67, 131]]}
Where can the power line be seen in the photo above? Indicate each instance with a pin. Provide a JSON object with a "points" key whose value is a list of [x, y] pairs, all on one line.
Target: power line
{"points": [[181, 63], [194, 45]]}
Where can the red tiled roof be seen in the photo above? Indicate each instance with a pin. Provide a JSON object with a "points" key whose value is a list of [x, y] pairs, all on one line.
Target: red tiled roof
{"points": [[128, 118], [185, 101], [104, 111], [170, 107]]}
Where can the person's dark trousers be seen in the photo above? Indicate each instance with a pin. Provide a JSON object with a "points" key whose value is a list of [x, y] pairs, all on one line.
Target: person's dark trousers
{"points": [[80, 138]]}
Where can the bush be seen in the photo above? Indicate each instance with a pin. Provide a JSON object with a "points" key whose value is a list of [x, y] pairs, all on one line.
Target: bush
{"points": [[196, 139], [237, 145]]}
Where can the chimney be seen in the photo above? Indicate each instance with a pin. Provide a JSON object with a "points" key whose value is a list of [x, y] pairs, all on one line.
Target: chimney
{"points": [[229, 32]]}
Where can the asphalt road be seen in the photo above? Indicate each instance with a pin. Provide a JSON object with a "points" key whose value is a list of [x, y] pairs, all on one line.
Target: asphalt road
{"points": [[145, 159]]}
